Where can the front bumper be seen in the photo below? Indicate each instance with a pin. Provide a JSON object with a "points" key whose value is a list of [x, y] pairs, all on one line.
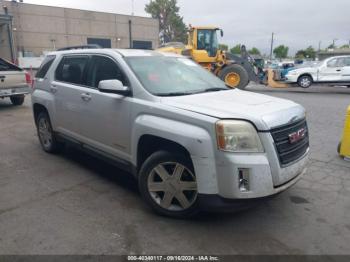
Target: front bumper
{"points": [[215, 202], [221, 176], [15, 91]]}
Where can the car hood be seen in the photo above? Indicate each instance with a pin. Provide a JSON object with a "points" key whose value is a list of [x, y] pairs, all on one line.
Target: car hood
{"points": [[265, 112]]}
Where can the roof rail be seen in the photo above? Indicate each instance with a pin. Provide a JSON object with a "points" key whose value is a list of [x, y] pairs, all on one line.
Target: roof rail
{"points": [[80, 47]]}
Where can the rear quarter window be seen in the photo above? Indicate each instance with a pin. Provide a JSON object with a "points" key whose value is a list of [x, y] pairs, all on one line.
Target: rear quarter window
{"points": [[45, 66], [7, 66]]}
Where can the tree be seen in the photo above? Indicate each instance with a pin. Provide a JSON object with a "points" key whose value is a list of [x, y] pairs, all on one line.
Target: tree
{"points": [[345, 47], [254, 51], [171, 24], [332, 46], [223, 47], [236, 49], [309, 52], [281, 51]]}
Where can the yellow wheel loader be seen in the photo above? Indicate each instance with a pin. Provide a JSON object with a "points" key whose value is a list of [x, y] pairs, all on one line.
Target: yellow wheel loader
{"points": [[203, 47]]}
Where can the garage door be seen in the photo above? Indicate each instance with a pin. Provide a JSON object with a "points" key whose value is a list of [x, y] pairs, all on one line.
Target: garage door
{"points": [[103, 42], [142, 44]]}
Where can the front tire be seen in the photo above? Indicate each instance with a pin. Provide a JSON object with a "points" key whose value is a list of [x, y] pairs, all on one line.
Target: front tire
{"points": [[235, 76], [46, 135], [168, 185], [17, 100], [305, 81]]}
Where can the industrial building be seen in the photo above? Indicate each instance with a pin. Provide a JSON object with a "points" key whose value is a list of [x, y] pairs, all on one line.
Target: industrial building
{"points": [[28, 31], [333, 52]]}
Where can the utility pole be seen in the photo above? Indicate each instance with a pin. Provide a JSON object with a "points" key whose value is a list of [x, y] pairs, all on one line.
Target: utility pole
{"points": [[271, 51], [319, 46], [334, 40], [132, 7]]}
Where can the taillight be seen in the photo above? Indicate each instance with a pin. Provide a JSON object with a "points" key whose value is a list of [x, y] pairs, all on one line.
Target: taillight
{"points": [[29, 79]]}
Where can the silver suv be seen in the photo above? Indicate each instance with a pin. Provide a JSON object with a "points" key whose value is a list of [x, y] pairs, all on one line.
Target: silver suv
{"points": [[191, 142]]}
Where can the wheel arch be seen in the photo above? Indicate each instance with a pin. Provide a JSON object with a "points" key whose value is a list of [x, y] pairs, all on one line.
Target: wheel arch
{"points": [[306, 74], [189, 139], [37, 109], [149, 144]]}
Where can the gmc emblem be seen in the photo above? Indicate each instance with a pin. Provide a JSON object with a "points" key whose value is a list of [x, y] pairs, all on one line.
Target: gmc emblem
{"points": [[297, 136]]}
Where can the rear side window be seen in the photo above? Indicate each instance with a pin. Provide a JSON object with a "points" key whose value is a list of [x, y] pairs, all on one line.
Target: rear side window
{"points": [[45, 66], [71, 70], [7, 66], [344, 61]]}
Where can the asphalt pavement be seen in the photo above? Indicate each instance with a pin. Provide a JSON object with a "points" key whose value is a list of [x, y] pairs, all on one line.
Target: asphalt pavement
{"points": [[75, 204]]}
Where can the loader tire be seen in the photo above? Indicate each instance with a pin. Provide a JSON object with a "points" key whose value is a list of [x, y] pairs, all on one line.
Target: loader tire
{"points": [[235, 76]]}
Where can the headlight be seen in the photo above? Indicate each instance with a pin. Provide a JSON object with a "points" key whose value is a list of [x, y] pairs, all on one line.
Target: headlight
{"points": [[238, 136]]}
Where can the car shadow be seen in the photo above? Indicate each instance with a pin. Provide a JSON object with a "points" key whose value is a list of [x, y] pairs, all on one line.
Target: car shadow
{"points": [[103, 169], [112, 174]]}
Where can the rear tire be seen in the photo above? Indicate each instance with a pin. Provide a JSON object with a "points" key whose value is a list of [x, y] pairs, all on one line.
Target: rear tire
{"points": [[235, 70], [305, 81], [17, 100], [46, 135], [168, 185]]}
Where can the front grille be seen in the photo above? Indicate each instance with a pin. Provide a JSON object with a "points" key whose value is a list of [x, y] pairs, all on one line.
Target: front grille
{"points": [[287, 151]]}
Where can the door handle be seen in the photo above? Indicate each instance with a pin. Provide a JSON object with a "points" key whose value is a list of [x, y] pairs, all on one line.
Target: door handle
{"points": [[338, 70], [86, 96]]}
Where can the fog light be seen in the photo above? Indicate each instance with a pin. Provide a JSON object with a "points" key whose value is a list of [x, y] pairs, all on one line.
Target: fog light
{"points": [[243, 179]]}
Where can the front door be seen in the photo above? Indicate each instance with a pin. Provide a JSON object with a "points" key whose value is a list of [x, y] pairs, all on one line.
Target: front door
{"points": [[331, 71], [105, 121]]}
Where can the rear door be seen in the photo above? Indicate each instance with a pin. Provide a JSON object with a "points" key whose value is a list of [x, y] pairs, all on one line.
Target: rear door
{"points": [[11, 76], [331, 71], [68, 89]]}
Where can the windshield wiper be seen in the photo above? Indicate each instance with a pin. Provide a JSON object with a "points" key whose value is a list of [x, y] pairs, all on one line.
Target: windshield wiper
{"points": [[174, 94], [212, 89]]}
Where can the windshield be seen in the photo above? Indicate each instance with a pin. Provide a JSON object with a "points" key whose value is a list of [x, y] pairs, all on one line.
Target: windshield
{"points": [[167, 76]]}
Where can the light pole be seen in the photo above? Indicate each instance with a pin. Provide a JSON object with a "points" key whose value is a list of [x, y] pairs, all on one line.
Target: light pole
{"points": [[271, 51], [334, 40]]}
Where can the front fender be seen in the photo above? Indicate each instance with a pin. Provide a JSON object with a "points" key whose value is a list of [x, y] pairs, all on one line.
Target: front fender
{"points": [[196, 140]]}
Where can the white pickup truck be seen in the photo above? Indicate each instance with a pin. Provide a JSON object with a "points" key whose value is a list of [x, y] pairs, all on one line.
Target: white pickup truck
{"points": [[334, 70], [14, 82]]}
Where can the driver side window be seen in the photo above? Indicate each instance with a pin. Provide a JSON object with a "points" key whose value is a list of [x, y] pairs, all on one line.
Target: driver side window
{"points": [[103, 68]]}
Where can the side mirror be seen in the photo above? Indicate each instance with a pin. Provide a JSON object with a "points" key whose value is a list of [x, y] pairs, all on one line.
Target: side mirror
{"points": [[113, 87]]}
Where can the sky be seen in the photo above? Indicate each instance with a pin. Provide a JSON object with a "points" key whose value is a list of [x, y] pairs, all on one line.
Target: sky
{"points": [[296, 23]]}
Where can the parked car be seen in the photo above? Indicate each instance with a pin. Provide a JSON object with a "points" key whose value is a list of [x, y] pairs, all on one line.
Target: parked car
{"points": [[14, 82], [334, 70], [191, 142]]}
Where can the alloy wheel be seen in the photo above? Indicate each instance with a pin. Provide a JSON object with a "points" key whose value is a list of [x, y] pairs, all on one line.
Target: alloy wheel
{"points": [[172, 186], [305, 82], [45, 133]]}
